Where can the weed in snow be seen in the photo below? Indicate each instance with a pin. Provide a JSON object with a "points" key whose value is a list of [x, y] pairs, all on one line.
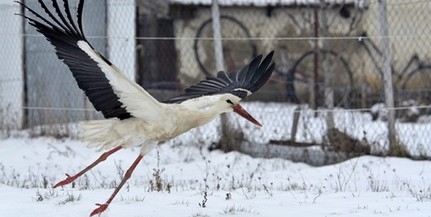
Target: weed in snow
{"points": [[377, 185], [204, 201], [249, 192], [50, 193], [158, 184], [186, 203], [421, 194], [70, 197], [46, 195], [135, 198], [232, 210], [228, 196], [199, 214]]}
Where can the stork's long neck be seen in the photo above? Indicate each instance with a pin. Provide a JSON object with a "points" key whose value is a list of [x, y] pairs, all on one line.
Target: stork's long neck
{"points": [[206, 108]]}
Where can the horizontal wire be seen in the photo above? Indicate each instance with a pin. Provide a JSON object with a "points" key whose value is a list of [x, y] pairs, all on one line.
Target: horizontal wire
{"points": [[131, 3], [408, 2], [4, 80], [369, 109], [319, 109], [359, 38], [56, 108]]}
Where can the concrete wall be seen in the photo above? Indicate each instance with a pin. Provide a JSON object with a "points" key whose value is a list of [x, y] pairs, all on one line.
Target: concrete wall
{"points": [[409, 31], [408, 27], [11, 66], [286, 30], [282, 23]]}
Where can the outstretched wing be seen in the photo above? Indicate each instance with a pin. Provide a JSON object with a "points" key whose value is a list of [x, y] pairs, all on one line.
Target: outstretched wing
{"points": [[105, 85], [241, 83]]}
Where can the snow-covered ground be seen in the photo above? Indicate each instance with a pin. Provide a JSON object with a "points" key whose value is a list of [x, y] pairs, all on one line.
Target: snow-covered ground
{"points": [[195, 182], [235, 184]]}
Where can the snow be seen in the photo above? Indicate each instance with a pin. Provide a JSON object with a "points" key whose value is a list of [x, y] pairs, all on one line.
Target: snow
{"points": [[363, 186], [196, 182], [277, 119]]}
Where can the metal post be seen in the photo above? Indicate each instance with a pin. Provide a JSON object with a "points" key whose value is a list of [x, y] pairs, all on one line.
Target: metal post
{"points": [[228, 138], [295, 122], [218, 48], [387, 72], [314, 91], [327, 74]]}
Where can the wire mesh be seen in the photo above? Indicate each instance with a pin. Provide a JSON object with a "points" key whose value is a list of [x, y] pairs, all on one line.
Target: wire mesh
{"points": [[329, 63]]}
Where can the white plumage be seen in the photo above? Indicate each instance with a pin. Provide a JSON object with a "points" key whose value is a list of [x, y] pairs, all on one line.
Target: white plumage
{"points": [[173, 121]]}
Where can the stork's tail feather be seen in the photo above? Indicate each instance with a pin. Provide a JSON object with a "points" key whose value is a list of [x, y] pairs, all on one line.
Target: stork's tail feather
{"points": [[100, 134]]}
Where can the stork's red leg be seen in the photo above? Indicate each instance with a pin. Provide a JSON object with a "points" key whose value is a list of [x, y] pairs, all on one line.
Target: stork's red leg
{"points": [[102, 157], [103, 207]]}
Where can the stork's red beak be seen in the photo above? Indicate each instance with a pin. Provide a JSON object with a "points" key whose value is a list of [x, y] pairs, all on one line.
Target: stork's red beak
{"points": [[241, 111]]}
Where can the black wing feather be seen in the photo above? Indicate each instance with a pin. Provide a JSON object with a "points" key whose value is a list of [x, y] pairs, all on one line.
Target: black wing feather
{"points": [[252, 67], [252, 77], [64, 35], [79, 16], [222, 76], [45, 8], [69, 16], [260, 77]]}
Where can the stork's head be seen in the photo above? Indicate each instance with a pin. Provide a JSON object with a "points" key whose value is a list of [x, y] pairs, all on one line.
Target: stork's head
{"points": [[232, 103]]}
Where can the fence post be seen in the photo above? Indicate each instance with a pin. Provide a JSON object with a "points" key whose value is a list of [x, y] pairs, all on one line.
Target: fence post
{"points": [[387, 72], [314, 89], [227, 140], [295, 121], [218, 48], [327, 74]]}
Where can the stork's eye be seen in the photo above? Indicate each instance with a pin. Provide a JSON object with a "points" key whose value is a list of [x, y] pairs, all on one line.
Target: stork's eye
{"points": [[229, 101]]}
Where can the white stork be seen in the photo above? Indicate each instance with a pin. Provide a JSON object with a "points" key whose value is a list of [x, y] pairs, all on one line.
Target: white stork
{"points": [[133, 117]]}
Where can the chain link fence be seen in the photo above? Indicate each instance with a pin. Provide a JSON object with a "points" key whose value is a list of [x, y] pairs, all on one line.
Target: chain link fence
{"points": [[325, 98]]}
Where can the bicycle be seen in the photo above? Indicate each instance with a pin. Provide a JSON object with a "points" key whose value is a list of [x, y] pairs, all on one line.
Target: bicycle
{"points": [[414, 75], [235, 52], [304, 77]]}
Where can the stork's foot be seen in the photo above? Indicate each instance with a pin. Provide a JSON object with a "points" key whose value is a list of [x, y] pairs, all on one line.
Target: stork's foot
{"points": [[100, 209], [66, 181]]}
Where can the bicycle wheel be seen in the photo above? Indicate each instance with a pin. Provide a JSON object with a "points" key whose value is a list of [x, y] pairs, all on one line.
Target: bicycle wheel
{"points": [[238, 47], [417, 85], [308, 78]]}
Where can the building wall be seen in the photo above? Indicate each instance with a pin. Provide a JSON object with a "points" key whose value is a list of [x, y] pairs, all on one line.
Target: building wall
{"points": [[293, 27], [11, 66], [289, 31], [289, 25], [409, 32]]}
